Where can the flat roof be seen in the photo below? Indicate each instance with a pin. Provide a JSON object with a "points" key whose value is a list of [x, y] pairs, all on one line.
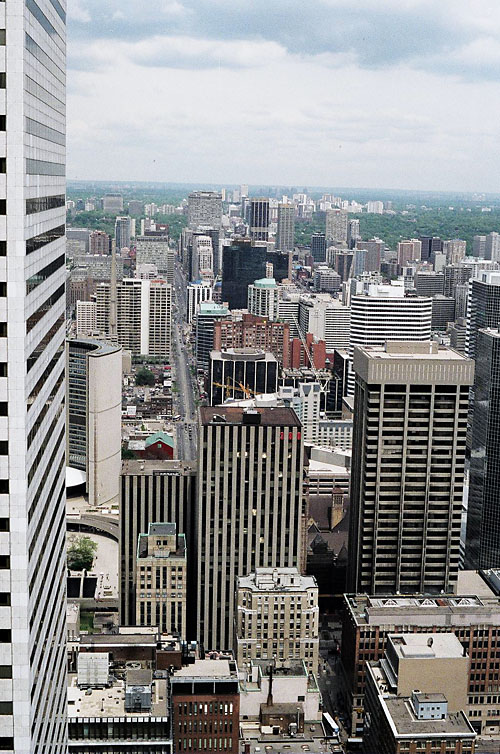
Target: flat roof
{"points": [[413, 350], [110, 702], [149, 468], [400, 712], [207, 668], [270, 416], [428, 645]]}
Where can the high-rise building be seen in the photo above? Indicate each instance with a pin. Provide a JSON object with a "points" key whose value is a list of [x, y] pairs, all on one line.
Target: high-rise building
{"points": [[430, 244], [153, 248], [325, 318], [410, 424], [99, 242], [253, 332], [353, 233], [482, 547], [204, 208], [318, 247], [263, 298], [483, 307], [143, 315], [409, 251], [455, 250], [277, 617], [203, 258], [336, 226], [32, 288], [259, 219], [285, 236], [112, 203], [243, 263], [326, 279], [135, 207], [455, 274], [492, 247], [253, 462], [196, 293], [86, 318], [428, 283], [240, 373], [161, 579], [373, 248], [443, 312], [208, 314], [479, 247], [122, 233], [151, 492], [94, 412]]}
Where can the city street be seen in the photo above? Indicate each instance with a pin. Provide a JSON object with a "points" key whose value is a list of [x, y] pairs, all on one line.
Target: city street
{"points": [[184, 399]]}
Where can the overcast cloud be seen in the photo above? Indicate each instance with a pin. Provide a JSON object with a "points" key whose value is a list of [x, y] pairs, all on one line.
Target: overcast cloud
{"points": [[380, 93]]}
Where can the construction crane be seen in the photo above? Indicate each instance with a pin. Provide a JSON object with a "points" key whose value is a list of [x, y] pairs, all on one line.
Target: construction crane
{"points": [[248, 392]]}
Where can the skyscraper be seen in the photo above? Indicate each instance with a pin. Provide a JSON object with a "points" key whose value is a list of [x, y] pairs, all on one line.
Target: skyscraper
{"points": [[263, 298], [32, 483], [122, 233], [318, 247], [336, 226], [482, 548], [285, 236], [243, 263], [410, 424], [249, 510], [204, 208], [259, 219], [483, 307], [430, 244]]}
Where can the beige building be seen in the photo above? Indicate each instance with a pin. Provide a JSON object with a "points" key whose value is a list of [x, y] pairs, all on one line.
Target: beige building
{"points": [[416, 696], [161, 579], [277, 616]]}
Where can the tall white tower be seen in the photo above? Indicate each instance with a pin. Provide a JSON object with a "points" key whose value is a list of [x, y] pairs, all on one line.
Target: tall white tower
{"points": [[32, 362]]}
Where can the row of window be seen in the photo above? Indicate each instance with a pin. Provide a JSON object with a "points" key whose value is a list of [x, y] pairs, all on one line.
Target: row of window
{"points": [[44, 203], [36, 242]]}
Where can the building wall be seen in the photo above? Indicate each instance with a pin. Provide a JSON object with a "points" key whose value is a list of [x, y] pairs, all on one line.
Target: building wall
{"points": [[208, 721]]}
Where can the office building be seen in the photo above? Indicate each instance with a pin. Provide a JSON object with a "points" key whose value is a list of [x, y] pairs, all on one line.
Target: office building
{"points": [[375, 207], [196, 294], [32, 477], [136, 207], [99, 243], [206, 706], [325, 318], [430, 245], [416, 695], [492, 247], [336, 226], [253, 332], [318, 247], [122, 233], [263, 298], [96, 266], [243, 262], [428, 283], [479, 247], [93, 411], [285, 235], [409, 251], [455, 274], [307, 408], [455, 250], [483, 307], [112, 203], [143, 315], [151, 492], [374, 248], [410, 423], [153, 248], [253, 461], [203, 258], [475, 620], [86, 318], [353, 233], [326, 280], [259, 219], [241, 373], [443, 312], [161, 579], [208, 314], [482, 547], [277, 616], [458, 334], [204, 208], [343, 262]]}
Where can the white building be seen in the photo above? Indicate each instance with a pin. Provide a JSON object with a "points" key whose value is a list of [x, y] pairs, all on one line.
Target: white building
{"points": [[93, 409], [335, 433], [375, 208], [196, 293], [309, 394], [86, 318], [144, 315], [155, 249], [336, 225], [203, 258], [263, 298], [455, 250], [204, 208], [326, 318], [32, 425], [277, 615]]}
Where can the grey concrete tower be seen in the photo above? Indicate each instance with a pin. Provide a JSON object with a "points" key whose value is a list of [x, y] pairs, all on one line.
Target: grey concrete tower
{"points": [[410, 425]]}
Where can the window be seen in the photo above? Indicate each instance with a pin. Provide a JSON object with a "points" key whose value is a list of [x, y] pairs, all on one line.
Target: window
{"points": [[2, 120], [3, 246], [4, 524], [4, 562], [4, 599], [3, 329], [3, 206], [2, 36], [3, 369], [4, 486], [5, 636], [3, 160], [5, 708], [3, 81], [3, 408], [5, 671], [3, 285]]}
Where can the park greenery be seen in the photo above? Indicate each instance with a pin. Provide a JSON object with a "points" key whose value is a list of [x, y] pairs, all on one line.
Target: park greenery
{"points": [[81, 554], [144, 377]]}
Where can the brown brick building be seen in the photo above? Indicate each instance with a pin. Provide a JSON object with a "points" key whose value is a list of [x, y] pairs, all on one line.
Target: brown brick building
{"points": [[254, 332]]}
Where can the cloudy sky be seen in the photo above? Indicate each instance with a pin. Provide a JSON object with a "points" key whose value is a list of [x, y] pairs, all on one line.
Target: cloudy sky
{"points": [[362, 93]]}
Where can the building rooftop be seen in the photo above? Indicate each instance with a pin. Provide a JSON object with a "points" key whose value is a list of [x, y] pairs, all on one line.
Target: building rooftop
{"points": [[400, 713], [269, 416], [208, 308], [242, 354], [413, 350], [159, 437], [265, 283], [277, 579], [154, 467], [110, 702], [426, 646], [221, 668]]}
